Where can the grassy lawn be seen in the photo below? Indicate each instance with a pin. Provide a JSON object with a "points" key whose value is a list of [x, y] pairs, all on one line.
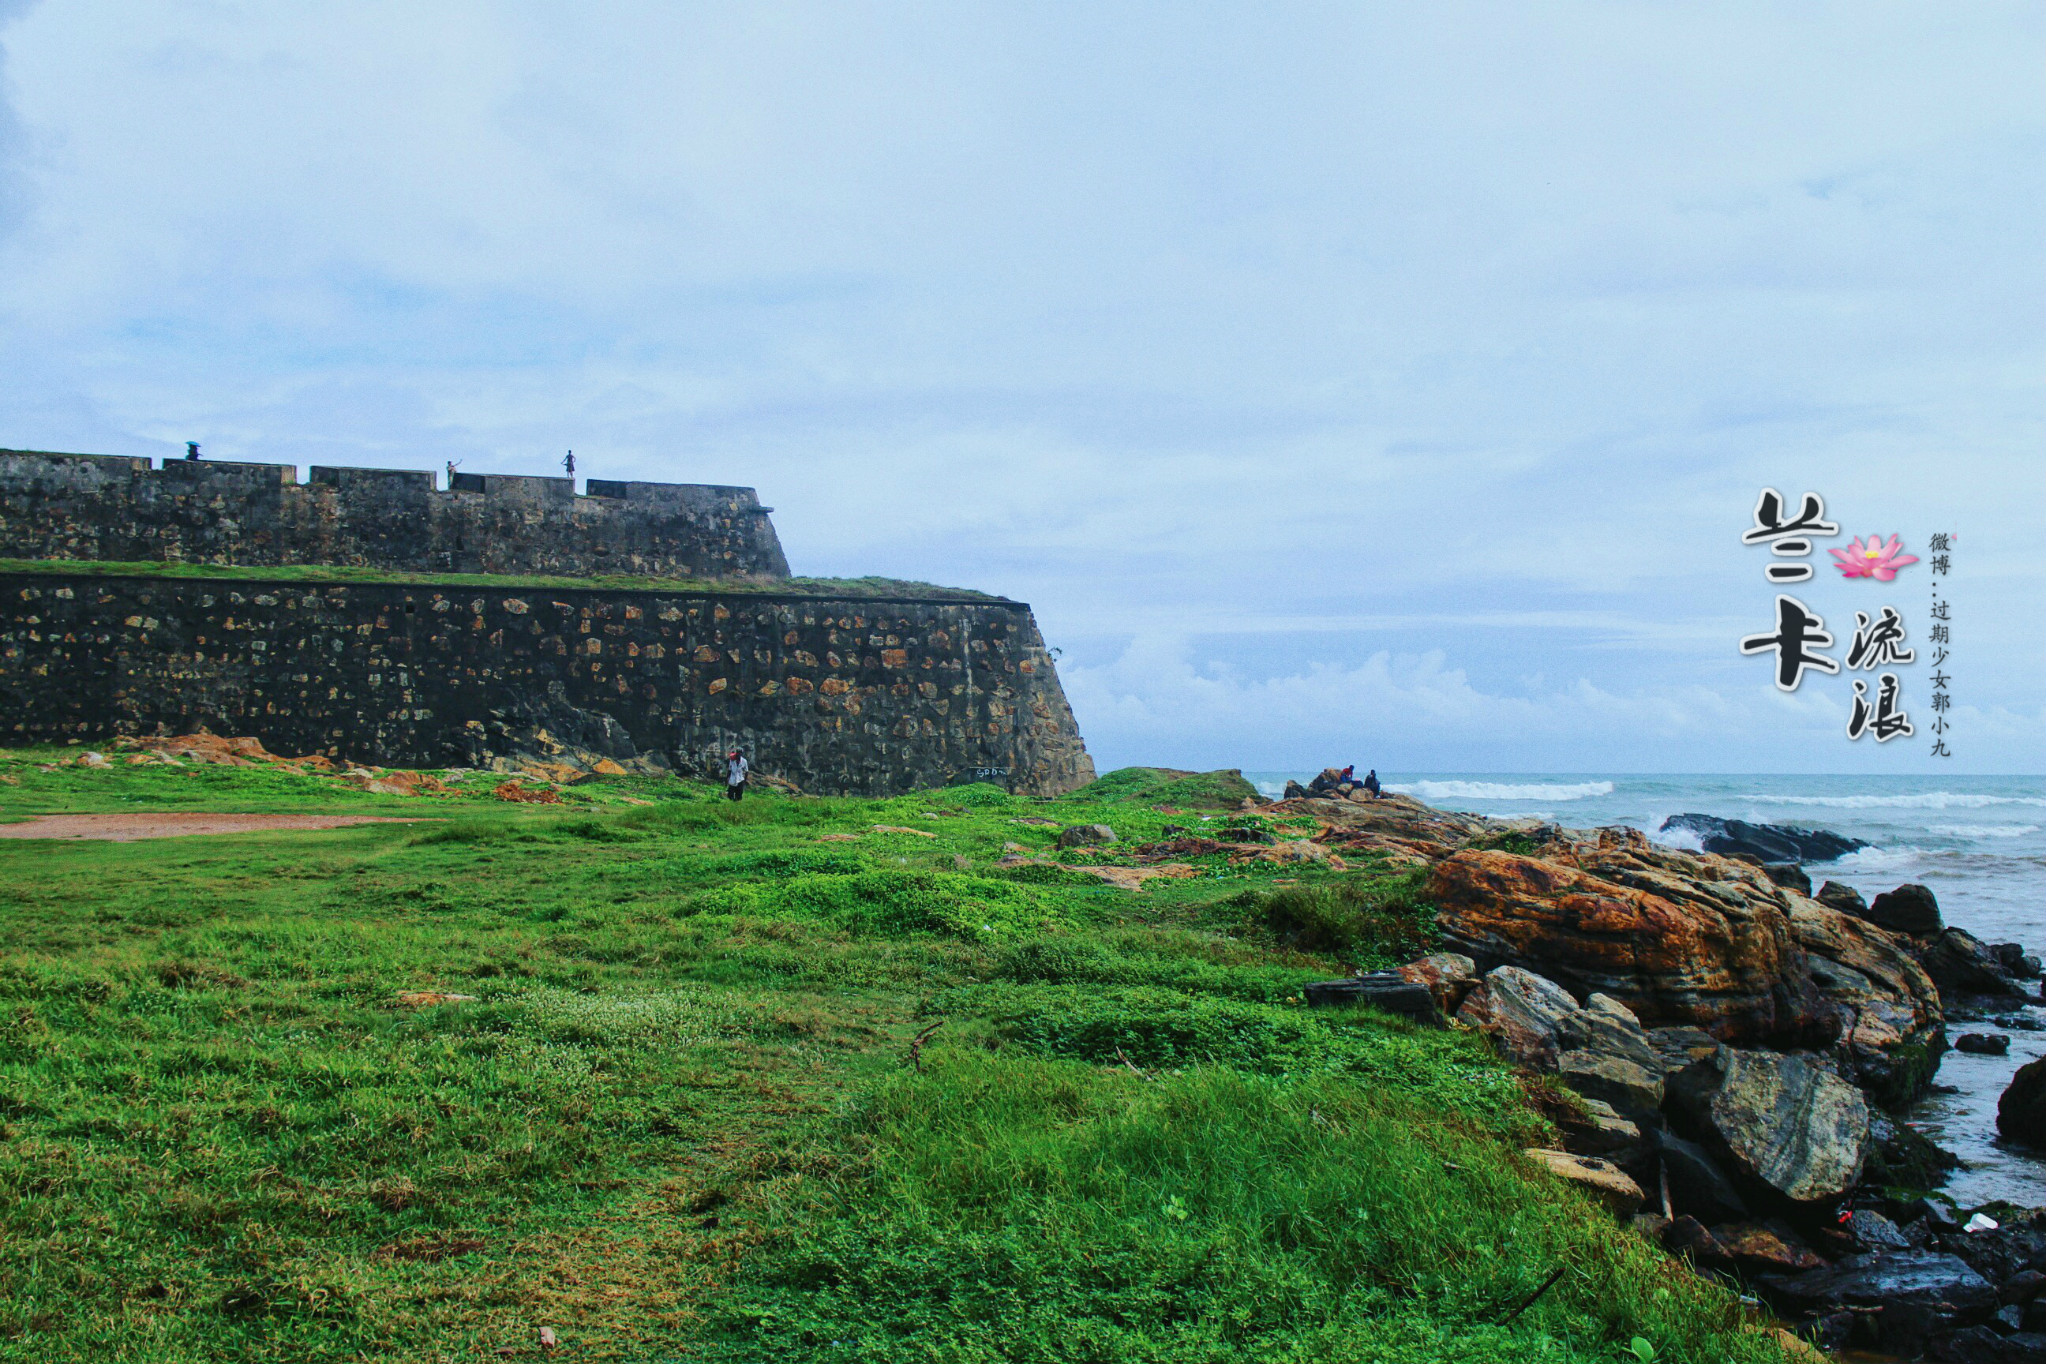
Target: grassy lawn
{"points": [[679, 1118]]}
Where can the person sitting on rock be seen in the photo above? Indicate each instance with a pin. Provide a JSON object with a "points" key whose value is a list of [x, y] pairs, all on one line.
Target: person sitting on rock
{"points": [[1371, 783], [735, 775]]}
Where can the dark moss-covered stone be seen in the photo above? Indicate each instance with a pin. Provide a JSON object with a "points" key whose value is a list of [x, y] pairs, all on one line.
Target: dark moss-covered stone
{"points": [[1846, 899], [1910, 908]]}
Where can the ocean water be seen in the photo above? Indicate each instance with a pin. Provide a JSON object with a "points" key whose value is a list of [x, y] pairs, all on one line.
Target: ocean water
{"points": [[1978, 842]]}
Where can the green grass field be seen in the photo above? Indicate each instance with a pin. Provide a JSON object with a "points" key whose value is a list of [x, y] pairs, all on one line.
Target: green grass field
{"points": [[679, 1120]]}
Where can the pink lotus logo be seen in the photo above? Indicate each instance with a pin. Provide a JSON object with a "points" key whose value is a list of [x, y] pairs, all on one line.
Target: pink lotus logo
{"points": [[1872, 558]]}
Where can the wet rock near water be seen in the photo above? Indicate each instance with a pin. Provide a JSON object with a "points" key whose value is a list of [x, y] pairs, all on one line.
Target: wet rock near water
{"points": [[1965, 969], [1917, 1294], [1779, 1121], [2015, 959], [1846, 899], [1982, 1345], [1763, 842], [1910, 909], [2021, 1112], [1983, 1043], [1788, 875], [1900, 1156]]}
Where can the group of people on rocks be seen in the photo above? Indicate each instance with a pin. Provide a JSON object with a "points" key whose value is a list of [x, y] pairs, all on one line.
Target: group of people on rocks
{"points": [[1343, 783]]}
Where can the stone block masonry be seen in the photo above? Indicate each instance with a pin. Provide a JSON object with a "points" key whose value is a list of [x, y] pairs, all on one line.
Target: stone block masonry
{"points": [[59, 506], [865, 696]]}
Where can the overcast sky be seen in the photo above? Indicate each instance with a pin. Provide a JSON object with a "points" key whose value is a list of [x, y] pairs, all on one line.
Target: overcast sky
{"points": [[1387, 384]]}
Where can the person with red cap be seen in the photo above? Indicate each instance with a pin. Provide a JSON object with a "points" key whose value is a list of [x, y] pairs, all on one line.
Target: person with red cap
{"points": [[735, 775]]}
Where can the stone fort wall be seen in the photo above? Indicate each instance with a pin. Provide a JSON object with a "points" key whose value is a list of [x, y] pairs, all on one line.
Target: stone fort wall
{"points": [[854, 695], [62, 506]]}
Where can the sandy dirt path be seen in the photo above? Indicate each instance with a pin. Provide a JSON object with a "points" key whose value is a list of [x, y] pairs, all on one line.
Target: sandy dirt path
{"points": [[128, 828]]}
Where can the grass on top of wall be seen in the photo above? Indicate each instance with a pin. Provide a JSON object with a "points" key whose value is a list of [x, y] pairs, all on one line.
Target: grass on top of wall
{"points": [[855, 588]]}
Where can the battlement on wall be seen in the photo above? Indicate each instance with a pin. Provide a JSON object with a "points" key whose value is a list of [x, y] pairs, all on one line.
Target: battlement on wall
{"points": [[119, 508]]}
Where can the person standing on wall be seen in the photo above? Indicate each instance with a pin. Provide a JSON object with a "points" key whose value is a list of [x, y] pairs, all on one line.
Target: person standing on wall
{"points": [[735, 775]]}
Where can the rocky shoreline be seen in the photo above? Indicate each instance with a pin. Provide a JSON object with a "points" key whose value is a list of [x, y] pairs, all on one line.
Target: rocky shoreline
{"points": [[1725, 1052]]}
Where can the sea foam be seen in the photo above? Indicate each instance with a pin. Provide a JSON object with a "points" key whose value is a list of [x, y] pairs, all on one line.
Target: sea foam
{"points": [[1923, 800], [1488, 790]]}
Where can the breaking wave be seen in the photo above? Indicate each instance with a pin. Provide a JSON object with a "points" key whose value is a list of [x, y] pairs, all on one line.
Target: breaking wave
{"points": [[1986, 830], [1870, 861], [1489, 790], [1925, 800]]}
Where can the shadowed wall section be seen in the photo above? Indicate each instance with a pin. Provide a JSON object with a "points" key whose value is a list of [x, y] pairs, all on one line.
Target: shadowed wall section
{"points": [[863, 696]]}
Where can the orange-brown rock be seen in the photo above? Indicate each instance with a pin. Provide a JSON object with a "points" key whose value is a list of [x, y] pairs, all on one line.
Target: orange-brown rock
{"points": [[1676, 938], [522, 794], [1389, 821], [1449, 976]]}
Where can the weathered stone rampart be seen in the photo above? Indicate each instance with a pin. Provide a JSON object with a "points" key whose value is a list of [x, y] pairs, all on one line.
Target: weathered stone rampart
{"points": [[106, 507], [838, 694]]}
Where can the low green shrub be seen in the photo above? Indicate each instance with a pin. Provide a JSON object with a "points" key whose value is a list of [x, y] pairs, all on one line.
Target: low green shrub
{"points": [[1370, 923], [1225, 789], [1075, 960], [893, 901]]}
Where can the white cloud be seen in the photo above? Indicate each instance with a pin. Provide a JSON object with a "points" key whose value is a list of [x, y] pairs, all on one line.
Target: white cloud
{"points": [[1418, 712]]}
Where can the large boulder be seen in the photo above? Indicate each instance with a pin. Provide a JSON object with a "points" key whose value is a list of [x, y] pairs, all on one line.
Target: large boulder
{"points": [[1604, 1054], [1522, 1013], [1910, 909], [1678, 939], [2021, 1112], [1913, 1292], [1763, 842], [1963, 967], [1844, 898], [1781, 1121], [1626, 1085], [1894, 1026]]}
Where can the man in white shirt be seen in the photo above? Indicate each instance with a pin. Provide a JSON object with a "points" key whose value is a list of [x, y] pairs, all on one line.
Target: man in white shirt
{"points": [[735, 775]]}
